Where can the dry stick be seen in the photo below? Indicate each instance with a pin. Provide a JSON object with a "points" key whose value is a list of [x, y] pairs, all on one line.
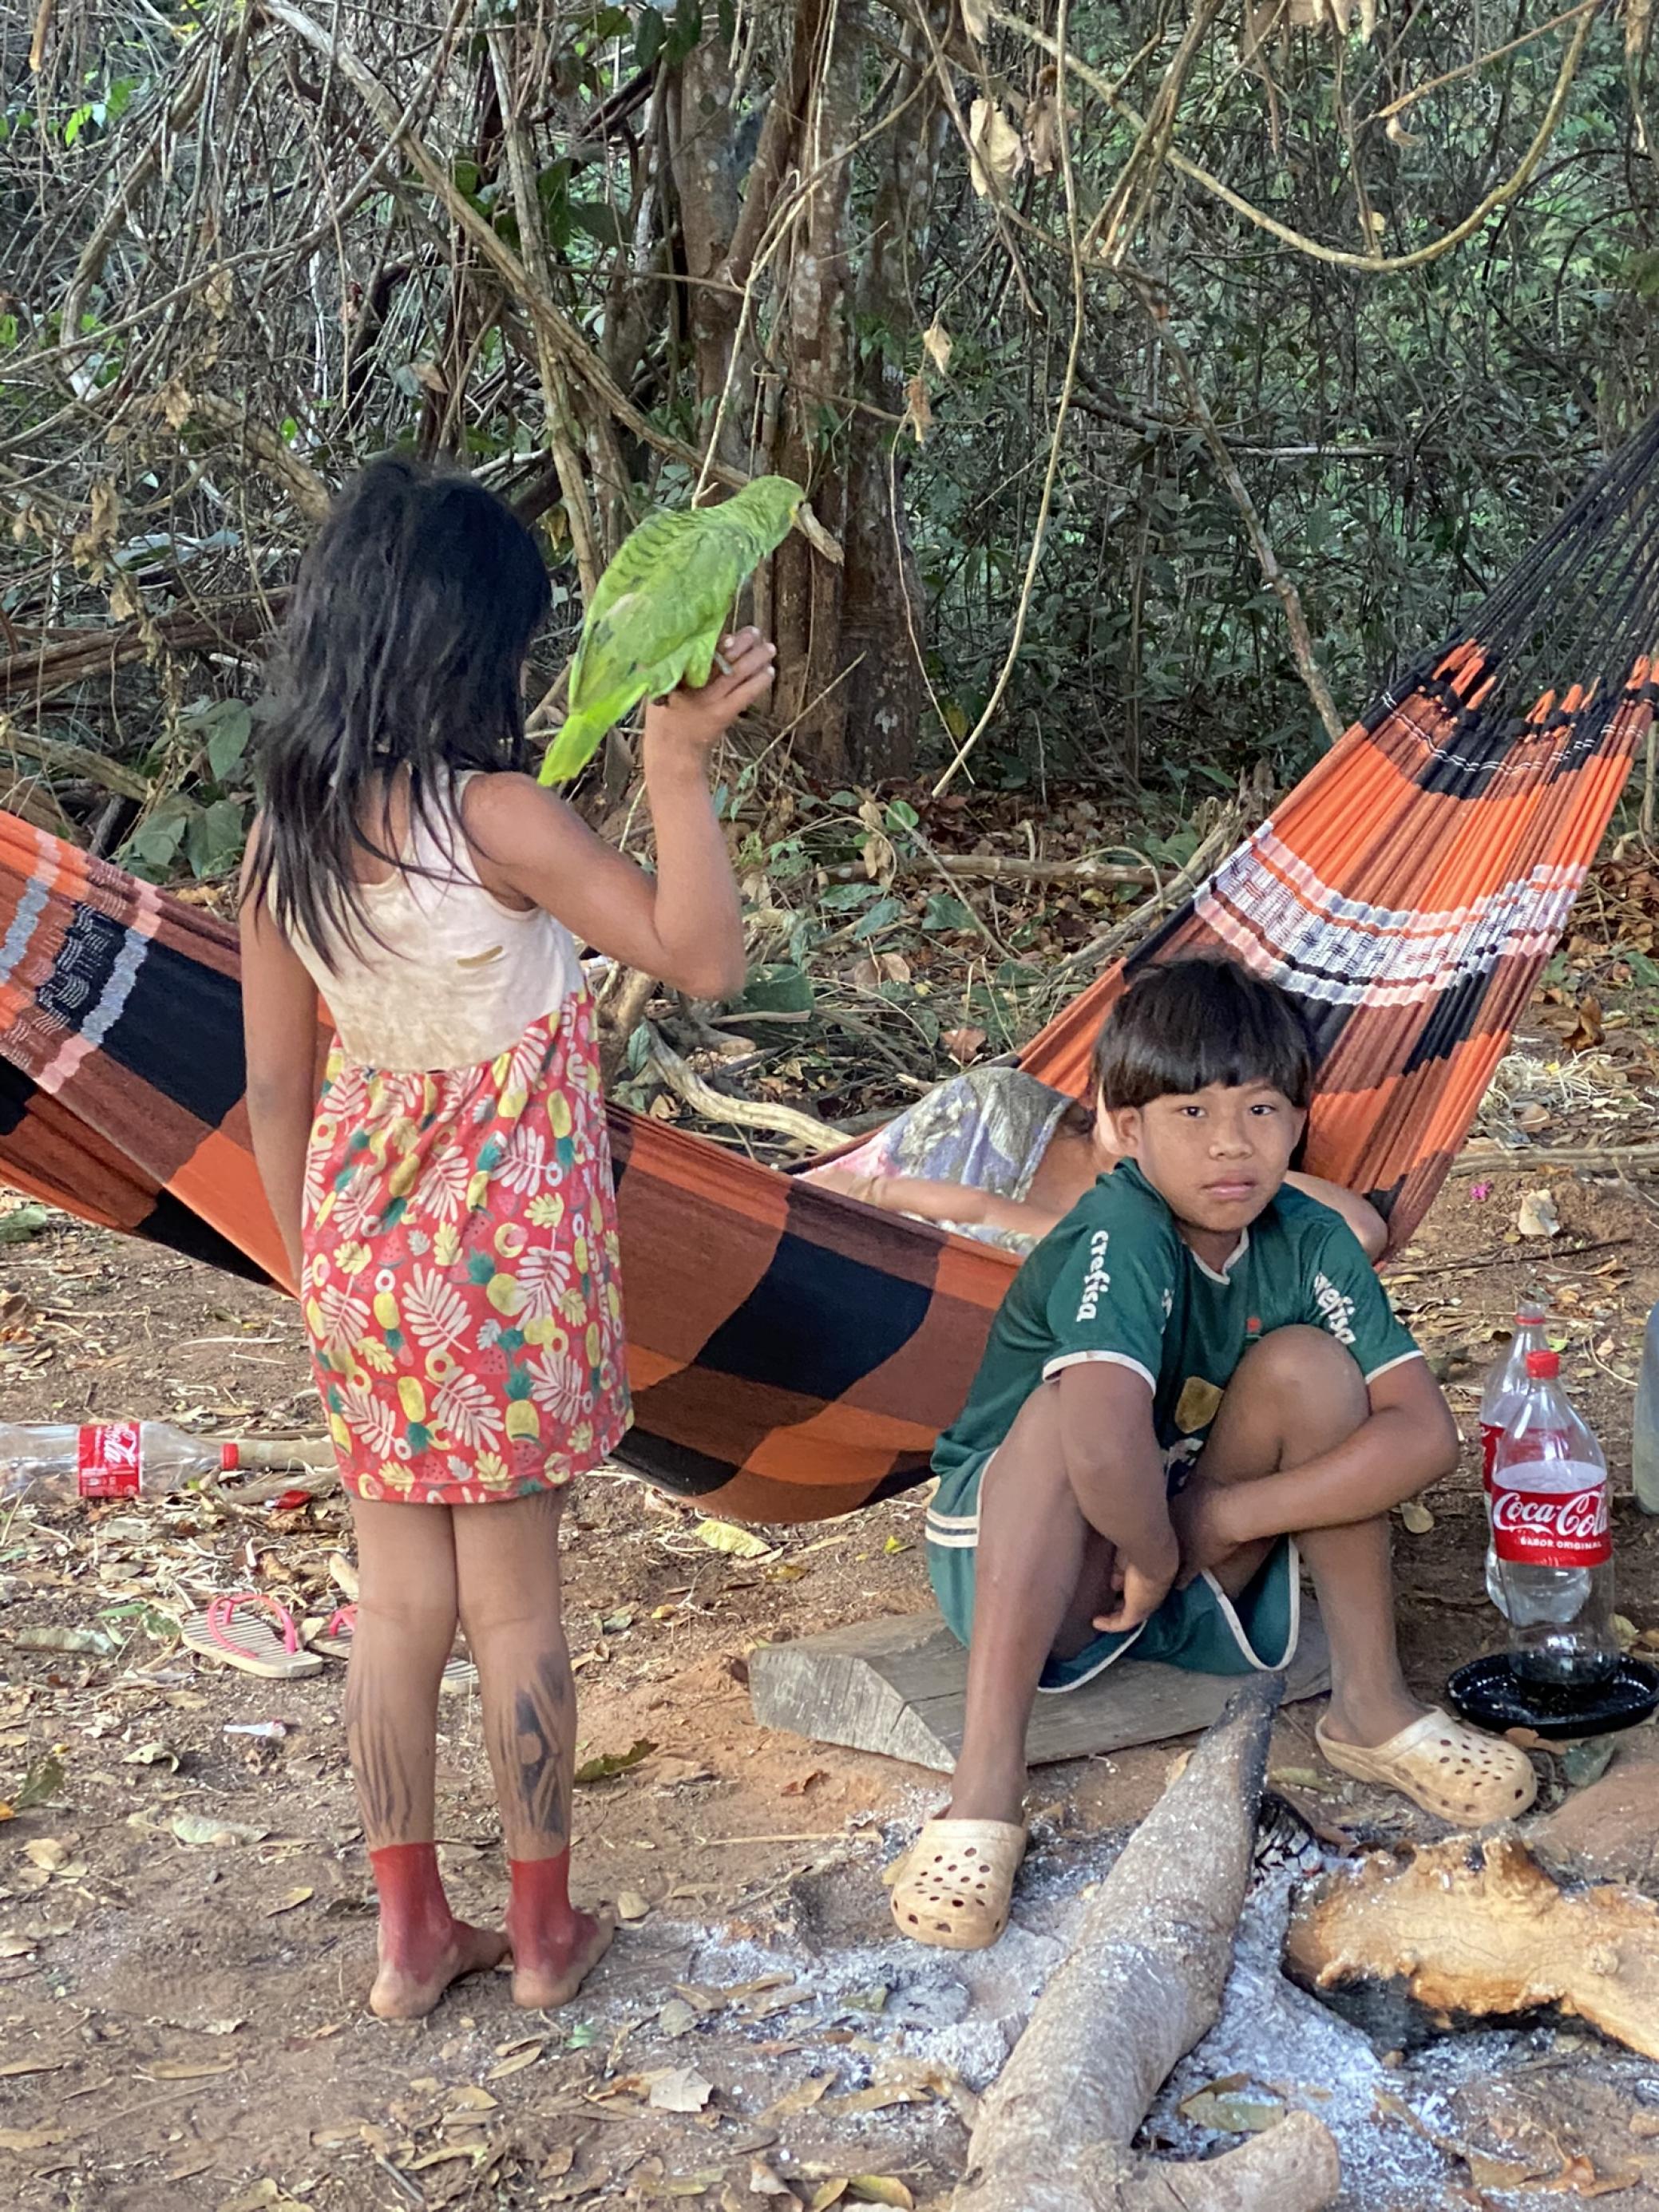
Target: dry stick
{"points": [[631, 996], [1608, 1157], [1004, 868], [52, 668], [562, 429], [1142, 1984], [67, 760], [88, 268], [1518, 1256], [1372, 264], [1481, 61], [1277, 582], [1214, 847], [294, 250], [572, 348], [745, 1113], [310, 492]]}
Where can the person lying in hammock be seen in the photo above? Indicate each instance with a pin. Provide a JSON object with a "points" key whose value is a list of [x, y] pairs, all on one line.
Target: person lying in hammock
{"points": [[1194, 1373], [999, 1157]]}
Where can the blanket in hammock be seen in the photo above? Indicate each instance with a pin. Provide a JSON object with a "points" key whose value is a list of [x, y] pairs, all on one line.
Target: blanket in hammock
{"points": [[792, 1353]]}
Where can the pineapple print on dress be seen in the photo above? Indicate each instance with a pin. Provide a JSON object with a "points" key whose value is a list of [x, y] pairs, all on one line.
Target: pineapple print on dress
{"points": [[462, 1288]]}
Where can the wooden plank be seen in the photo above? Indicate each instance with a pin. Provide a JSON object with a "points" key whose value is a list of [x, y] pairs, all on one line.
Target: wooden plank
{"points": [[895, 1687]]}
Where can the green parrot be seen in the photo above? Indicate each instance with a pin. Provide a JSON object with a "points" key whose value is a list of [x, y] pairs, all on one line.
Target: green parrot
{"points": [[658, 610]]}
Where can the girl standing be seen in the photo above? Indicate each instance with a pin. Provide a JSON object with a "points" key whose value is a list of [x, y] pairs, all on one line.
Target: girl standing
{"points": [[447, 1205]]}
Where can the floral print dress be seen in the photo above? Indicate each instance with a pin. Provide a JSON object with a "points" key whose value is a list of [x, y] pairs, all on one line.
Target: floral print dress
{"points": [[461, 1290]]}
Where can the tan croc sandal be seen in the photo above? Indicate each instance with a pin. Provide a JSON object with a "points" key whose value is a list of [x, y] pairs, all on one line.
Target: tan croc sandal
{"points": [[952, 1887], [1460, 1776]]}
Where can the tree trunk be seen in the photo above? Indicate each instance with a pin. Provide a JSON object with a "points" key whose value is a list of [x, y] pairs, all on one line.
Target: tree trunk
{"points": [[706, 185], [884, 615], [1143, 1982], [848, 641]]}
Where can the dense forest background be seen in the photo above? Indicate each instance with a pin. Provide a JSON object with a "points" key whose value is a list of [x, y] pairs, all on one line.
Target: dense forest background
{"points": [[1160, 373]]}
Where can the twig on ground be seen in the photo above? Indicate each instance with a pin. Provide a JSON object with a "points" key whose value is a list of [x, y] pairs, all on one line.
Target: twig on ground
{"points": [[1609, 1157], [714, 1105], [1518, 1256], [1005, 867], [1132, 926]]}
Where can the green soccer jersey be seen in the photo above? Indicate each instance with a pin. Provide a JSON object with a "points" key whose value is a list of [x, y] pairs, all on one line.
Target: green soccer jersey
{"points": [[1115, 1281]]}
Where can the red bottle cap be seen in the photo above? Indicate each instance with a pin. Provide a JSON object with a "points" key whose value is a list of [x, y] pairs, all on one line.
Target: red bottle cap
{"points": [[1543, 1366]]}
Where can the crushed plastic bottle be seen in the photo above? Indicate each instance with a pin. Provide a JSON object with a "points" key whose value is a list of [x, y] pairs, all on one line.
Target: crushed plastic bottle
{"points": [[111, 1459]]}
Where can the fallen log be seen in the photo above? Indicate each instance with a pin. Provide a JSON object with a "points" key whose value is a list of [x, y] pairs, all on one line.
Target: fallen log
{"points": [[1481, 1930], [1142, 1985]]}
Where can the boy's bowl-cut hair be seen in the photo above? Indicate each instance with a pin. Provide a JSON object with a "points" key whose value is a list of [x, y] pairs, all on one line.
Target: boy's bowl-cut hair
{"points": [[1180, 1028]]}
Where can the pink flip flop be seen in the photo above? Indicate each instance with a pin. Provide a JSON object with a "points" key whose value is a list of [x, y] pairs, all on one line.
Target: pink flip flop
{"points": [[248, 1629], [335, 1640]]}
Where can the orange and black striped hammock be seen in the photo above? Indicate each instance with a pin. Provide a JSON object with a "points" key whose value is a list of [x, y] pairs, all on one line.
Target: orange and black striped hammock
{"points": [[793, 1353]]}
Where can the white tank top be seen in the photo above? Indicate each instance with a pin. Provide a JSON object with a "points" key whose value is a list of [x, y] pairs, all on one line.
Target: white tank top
{"points": [[451, 976]]}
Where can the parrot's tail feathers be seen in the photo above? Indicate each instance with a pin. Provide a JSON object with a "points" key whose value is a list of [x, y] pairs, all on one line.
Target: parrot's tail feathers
{"points": [[574, 744]]}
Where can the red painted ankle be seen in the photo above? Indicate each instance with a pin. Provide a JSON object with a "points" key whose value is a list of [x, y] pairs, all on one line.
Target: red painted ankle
{"points": [[542, 1923], [416, 1924]]}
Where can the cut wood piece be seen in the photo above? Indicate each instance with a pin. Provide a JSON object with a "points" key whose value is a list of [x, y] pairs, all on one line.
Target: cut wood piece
{"points": [[1482, 1929], [895, 1687], [1141, 1985]]}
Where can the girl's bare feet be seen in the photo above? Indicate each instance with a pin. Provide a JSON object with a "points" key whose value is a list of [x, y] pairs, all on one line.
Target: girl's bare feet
{"points": [[416, 1974], [554, 1947], [424, 1947], [550, 1966]]}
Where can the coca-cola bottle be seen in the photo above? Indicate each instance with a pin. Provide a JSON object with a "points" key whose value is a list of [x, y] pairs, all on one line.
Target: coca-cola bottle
{"points": [[1500, 1402], [112, 1459], [1549, 1520]]}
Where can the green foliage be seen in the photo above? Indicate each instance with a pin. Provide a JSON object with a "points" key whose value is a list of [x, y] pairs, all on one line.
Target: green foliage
{"points": [[204, 827]]}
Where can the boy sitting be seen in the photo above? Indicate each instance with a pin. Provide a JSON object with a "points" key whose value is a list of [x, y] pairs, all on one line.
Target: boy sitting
{"points": [[1194, 1373]]}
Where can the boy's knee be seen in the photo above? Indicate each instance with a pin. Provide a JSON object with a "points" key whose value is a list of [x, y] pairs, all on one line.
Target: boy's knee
{"points": [[1312, 1372]]}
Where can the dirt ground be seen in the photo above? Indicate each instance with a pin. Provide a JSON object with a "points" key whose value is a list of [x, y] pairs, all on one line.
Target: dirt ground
{"points": [[181, 2021]]}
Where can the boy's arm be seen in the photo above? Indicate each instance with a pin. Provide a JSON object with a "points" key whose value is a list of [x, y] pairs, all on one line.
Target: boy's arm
{"points": [[1409, 1440], [1116, 1474]]}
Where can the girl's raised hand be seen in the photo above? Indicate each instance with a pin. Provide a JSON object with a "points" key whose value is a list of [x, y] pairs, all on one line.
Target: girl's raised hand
{"points": [[696, 718]]}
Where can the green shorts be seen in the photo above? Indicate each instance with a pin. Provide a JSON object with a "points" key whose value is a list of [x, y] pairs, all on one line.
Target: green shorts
{"points": [[1199, 1628]]}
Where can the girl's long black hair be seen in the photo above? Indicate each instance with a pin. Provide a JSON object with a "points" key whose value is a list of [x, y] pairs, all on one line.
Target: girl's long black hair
{"points": [[403, 651]]}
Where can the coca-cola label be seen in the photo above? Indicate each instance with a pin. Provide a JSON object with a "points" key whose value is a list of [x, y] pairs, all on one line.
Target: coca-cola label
{"points": [[1563, 1524], [110, 1460]]}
